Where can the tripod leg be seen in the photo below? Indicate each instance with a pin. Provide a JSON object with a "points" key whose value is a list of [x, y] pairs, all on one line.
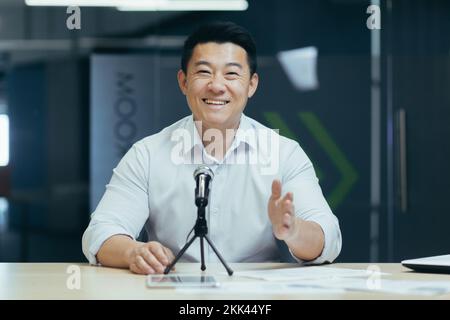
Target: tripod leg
{"points": [[230, 272], [202, 253], [186, 246]]}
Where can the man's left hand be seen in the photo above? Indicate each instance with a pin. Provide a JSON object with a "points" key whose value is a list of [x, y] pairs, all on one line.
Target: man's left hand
{"points": [[281, 212]]}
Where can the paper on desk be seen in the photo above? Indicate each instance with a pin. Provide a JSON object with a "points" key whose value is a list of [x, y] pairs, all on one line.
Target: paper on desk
{"points": [[306, 272], [261, 288], [382, 285], [328, 286]]}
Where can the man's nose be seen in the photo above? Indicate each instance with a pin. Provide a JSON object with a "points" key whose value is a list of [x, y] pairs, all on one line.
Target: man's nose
{"points": [[217, 85]]}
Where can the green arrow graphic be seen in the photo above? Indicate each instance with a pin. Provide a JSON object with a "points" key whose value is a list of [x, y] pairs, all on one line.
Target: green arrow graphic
{"points": [[349, 174], [275, 122], [317, 130]]}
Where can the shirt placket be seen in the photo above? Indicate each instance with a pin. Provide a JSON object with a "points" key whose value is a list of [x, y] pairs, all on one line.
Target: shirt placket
{"points": [[214, 209]]}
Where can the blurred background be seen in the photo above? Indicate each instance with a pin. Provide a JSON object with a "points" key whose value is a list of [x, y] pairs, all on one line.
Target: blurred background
{"points": [[363, 86]]}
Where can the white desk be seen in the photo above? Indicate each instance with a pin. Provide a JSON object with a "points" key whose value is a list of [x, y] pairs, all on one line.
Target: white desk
{"points": [[49, 281]]}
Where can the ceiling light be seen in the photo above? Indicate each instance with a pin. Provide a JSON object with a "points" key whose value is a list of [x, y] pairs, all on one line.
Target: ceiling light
{"points": [[150, 5], [189, 5]]}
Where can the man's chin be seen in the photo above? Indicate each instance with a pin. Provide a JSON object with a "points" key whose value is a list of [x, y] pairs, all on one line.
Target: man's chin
{"points": [[216, 121]]}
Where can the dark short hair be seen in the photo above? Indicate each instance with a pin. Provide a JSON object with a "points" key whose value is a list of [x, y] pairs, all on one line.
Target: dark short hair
{"points": [[220, 32]]}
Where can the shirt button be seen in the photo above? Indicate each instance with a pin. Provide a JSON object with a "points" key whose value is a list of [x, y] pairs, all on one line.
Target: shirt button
{"points": [[215, 210]]}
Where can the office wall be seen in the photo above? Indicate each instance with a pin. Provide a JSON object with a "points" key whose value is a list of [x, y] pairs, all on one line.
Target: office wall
{"points": [[49, 153], [331, 123]]}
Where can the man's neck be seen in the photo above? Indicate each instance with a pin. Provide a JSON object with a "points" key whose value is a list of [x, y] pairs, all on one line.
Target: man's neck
{"points": [[216, 140]]}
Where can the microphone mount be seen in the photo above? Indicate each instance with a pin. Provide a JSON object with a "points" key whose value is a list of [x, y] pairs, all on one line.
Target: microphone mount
{"points": [[203, 177]]}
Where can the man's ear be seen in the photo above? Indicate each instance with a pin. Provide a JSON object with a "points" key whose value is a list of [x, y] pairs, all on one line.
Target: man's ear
{"points": [[182, 81], [253, 85]]}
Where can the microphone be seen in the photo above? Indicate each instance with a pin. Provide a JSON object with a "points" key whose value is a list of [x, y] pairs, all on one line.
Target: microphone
{"points": [[203, 176]]}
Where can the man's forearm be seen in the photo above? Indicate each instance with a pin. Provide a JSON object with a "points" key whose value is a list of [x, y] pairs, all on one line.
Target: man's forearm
{"points": [[115, 251], [307, 240]]}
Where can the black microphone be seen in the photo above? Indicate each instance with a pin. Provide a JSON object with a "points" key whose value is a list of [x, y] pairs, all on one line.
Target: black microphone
{"points": [[203, 176]]}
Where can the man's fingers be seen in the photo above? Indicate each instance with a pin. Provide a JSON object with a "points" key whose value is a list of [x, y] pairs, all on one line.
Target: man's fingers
{"points": [[142, 265], [134, 268], [287, 206], [169, 254], [288, 196], [282, 230], [159, 253], [153, 262], [151, 257], [287, 220], [281, 211], [276, 189]]}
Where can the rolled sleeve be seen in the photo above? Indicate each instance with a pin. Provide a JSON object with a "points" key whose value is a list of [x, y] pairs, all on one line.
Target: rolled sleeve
{"points": [[124, 207], [311, 205], [333, 242], [96, 235]]}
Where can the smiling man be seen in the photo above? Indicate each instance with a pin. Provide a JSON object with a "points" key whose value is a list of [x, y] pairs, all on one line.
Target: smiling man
{"points": [[250, 211], [217, 81]]}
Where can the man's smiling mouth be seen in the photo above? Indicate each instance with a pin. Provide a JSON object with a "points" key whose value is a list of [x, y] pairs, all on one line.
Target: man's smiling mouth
{"points": [[214, 102]]}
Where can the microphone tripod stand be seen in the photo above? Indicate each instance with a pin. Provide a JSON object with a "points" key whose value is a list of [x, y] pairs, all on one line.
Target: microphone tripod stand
{"points": [[200, 231]]}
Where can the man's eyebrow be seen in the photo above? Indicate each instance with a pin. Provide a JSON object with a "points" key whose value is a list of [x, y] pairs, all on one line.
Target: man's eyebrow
{"points": [[202, 62], [234, 64], [229, 64]]}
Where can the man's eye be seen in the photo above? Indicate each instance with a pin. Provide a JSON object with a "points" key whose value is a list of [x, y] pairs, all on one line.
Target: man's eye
{"points": [[232, 74], [203, 71]]}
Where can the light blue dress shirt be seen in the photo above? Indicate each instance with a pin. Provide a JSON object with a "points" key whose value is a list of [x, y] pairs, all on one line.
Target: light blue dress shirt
{"points": [[153, 187]]}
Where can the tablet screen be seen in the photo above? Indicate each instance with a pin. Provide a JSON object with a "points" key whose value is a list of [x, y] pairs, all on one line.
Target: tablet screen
{"points": [[155, 281]]}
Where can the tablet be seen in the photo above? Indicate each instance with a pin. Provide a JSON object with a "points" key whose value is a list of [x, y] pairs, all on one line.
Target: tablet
{"points": [[439, 264], [177, 281]]}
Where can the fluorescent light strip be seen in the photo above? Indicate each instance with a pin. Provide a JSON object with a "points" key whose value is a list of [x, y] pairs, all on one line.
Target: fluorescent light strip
{"points": [[190, 5], [4, 140], [88, 3], [150, 5]]}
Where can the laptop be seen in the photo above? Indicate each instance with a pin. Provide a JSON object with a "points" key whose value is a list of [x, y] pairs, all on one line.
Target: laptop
{"points": [[435, 264]]}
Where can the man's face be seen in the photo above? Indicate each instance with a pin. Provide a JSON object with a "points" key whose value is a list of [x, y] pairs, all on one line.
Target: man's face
{"points": [[218, 84]]}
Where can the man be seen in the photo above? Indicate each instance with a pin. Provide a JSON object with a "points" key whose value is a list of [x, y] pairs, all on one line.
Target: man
{"points": [[248, 213]]}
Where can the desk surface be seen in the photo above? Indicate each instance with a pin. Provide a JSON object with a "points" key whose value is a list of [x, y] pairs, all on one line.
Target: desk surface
{"points": [[49, 281]]}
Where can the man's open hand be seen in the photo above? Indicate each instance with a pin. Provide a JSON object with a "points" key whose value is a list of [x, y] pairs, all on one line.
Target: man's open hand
{"points": [[281, 212], [149, 258]]}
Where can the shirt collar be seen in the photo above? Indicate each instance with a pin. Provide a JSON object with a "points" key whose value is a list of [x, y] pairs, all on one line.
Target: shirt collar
{"points": [[243, 134], [246, 133]]}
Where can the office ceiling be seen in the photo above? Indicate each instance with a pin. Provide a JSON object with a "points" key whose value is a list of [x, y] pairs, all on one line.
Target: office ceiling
{"points": [[30, 33]]}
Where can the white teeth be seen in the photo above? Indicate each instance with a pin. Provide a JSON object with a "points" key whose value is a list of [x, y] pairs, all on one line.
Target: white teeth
{"points": [[216, 102]]}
